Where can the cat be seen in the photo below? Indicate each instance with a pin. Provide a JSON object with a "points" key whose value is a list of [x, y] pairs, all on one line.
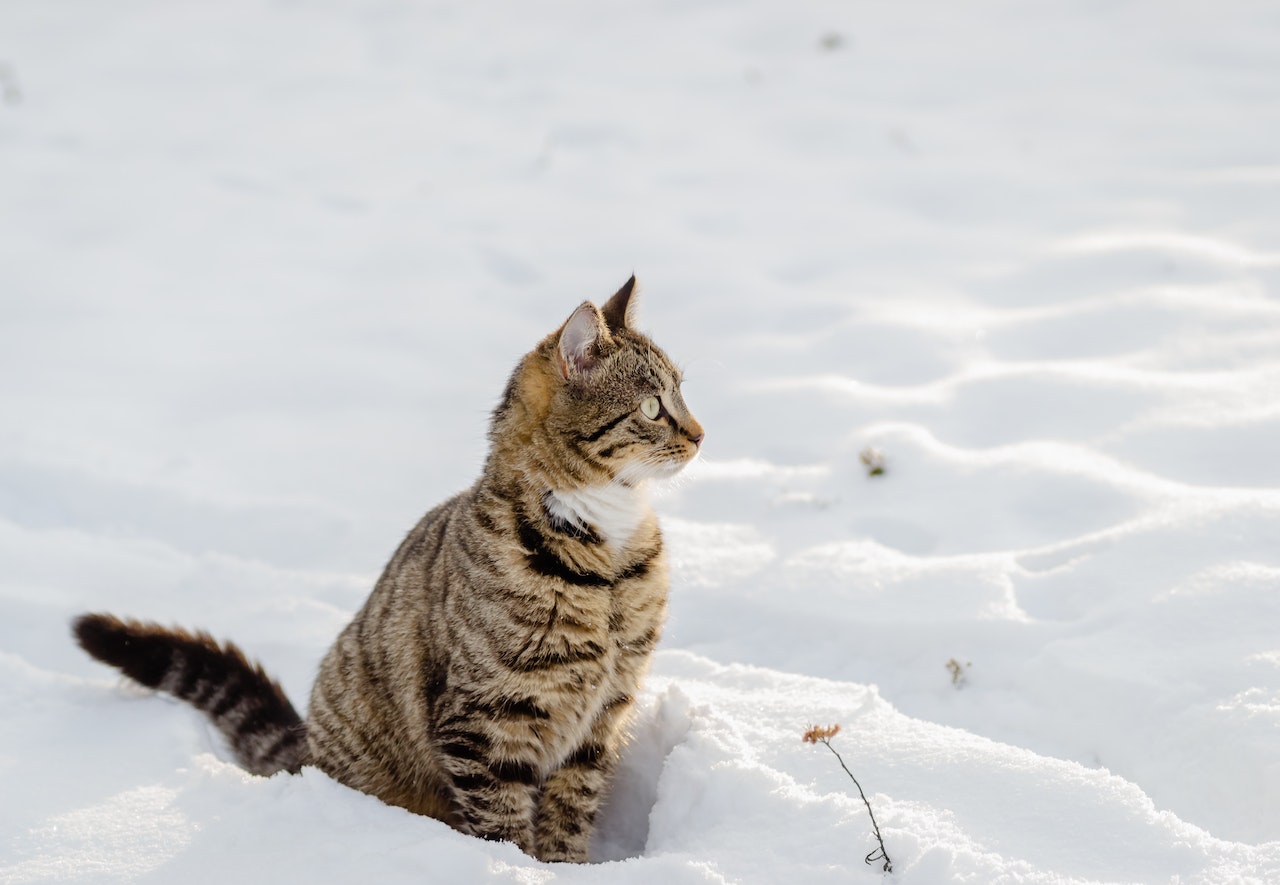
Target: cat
{"points": [[488, 679]]}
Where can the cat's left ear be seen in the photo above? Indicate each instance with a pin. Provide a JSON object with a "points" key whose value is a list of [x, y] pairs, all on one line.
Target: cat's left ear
{"points": [[580, 341], [620, 310]]}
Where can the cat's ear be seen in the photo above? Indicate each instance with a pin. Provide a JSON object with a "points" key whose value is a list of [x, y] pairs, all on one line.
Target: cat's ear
{"points": [[620, 310], [580, 341]]}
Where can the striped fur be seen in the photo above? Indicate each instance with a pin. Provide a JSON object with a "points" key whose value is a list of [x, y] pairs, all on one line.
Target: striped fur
{"points": [[488, 679]]}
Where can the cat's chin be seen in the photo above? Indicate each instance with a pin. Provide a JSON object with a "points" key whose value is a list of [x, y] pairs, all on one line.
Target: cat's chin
{"points": [[670, 469], [659, 471]]}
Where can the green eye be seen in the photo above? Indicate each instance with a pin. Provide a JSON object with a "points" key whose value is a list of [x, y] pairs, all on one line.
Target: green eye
{"points": [[651, 407]]}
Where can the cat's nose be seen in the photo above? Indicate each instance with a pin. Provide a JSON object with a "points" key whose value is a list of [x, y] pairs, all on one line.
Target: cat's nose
{"points": [[693, 430]]}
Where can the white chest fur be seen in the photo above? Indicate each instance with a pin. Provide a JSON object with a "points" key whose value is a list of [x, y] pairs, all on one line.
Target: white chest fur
{"points": [[613, 511]]}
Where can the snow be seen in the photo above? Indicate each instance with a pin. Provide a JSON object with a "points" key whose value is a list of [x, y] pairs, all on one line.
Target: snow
{"points": [[265, 267]]}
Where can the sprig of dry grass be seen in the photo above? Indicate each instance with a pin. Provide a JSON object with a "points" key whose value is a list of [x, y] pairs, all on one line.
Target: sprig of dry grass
{"points": [[822, 734], [873, 460], [957, 671]]}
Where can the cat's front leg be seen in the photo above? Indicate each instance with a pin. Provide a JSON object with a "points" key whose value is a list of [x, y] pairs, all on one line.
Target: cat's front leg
{"points": [[494, 798], [569, 803], [572, 796]]}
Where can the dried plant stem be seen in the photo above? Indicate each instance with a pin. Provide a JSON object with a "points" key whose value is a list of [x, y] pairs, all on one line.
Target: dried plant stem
{"points": [[819, 735]]}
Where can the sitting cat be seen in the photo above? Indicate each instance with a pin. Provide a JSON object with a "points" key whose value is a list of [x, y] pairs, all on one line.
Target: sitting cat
{"points": [[488, 679]]}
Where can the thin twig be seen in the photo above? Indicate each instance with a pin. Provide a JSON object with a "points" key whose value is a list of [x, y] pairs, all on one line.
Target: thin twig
{"points": [[819, 735]]}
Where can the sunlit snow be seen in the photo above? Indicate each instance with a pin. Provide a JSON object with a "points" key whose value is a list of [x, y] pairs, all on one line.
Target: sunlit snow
{"points": [[265, 267]]}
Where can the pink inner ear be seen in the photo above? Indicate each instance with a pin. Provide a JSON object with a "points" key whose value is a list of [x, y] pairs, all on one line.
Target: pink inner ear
{"points": [[578, 340]]}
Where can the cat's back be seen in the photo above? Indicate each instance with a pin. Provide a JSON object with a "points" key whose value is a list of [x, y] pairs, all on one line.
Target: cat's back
{"points": [[368, 711]]}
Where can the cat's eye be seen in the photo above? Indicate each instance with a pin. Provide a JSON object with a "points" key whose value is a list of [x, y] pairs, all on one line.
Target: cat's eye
{"points": [[651, 407]]}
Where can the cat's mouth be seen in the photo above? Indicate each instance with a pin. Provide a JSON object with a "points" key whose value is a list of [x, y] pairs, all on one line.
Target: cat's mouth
{"points": [[668, 467], [658, 467]]}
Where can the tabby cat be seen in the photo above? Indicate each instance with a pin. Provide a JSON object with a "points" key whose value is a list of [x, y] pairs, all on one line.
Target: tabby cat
{"points": [[488, 679]]}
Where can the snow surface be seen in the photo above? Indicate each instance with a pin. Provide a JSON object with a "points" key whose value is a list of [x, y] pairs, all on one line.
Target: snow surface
{"points": [[265, 266]]}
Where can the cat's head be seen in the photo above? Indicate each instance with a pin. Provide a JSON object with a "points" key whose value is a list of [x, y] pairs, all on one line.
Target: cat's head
{"points": [[598, 401]]}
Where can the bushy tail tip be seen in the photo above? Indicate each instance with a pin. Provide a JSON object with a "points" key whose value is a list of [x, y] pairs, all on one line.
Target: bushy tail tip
{"points": [[243, 702]]}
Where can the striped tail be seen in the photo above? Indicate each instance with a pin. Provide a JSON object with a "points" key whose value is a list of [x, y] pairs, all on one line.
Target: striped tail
{"points": [[244, 703]]}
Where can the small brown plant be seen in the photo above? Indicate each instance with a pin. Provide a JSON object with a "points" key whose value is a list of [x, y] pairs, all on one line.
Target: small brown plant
{"points": [[957, 671], [822, 734], [873, 460]]}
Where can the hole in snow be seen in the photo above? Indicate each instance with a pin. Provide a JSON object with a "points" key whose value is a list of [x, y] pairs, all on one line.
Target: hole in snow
{"points": [[661, 723]]}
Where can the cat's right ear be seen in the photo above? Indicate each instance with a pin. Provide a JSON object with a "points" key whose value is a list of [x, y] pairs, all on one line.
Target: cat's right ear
{"points": [[580, 341]]}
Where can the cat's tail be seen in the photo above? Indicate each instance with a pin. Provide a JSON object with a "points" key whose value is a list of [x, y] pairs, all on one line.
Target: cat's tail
{"points": [[243, 702]]}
